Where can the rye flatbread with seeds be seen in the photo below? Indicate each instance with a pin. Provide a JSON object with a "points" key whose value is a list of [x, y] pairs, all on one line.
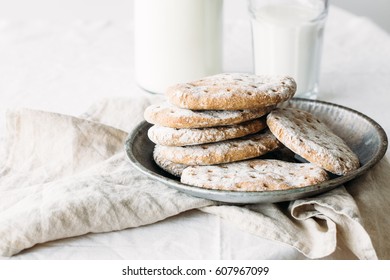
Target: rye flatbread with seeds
{"points": [[175, 169], [254, 175], [232, 91], [194, 136], [169, 115], [221, 152], [311, 139]]}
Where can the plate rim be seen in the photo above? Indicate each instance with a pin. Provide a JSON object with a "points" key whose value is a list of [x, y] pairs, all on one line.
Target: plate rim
{"points": [[264, 196]]}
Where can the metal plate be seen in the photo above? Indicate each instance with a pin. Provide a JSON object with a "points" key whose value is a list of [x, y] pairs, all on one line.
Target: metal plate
{"points": [[363, 135]]}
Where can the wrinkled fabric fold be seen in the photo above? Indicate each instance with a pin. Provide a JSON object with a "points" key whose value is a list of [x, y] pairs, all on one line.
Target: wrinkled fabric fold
{"points": [[85, 184], [65, 176]]}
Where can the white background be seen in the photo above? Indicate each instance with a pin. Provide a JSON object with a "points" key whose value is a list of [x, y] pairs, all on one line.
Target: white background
{"points": [[377, 10]]}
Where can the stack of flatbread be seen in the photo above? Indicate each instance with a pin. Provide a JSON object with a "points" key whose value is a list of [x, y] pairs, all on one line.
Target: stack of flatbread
{"points": [[226, 132]]}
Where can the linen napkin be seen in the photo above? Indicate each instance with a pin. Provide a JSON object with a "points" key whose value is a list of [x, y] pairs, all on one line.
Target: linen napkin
{"points": [[63, 176]]}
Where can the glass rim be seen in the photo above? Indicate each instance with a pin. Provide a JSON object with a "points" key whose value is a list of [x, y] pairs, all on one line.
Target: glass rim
{"points": [[320, 16]]}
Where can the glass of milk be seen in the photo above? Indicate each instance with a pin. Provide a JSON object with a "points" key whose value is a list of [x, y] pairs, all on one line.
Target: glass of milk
{"points": [[176, 41], [287, 39]]}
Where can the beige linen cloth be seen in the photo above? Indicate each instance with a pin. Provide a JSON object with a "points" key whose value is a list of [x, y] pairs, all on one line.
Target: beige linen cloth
{"points": [[64, 176]]}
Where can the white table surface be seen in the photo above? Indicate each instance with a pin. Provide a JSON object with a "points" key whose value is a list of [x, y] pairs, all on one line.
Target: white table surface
{"points": [[65, 67]]}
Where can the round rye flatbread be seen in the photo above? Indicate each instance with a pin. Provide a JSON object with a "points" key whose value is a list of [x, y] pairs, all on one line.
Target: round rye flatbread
{"points": [[168, 115], [175, 169], [194, 136], [221, 152], [311, 139], [254, 175], [232, 91]]}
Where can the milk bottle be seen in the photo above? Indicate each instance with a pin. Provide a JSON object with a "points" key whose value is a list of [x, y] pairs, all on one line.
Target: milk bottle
{"points": [[287, 39], [176, 41]]}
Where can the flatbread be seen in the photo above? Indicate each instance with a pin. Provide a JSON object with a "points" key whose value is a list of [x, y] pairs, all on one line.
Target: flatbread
{"points": [[311, 139], [175, 169], [232, 91], [254, 175], [194, 136], [221, 152], [168, 115]]}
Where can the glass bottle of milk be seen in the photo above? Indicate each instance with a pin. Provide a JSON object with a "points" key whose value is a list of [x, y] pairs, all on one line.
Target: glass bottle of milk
{"points": [[176, 41], [287, 39]]}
